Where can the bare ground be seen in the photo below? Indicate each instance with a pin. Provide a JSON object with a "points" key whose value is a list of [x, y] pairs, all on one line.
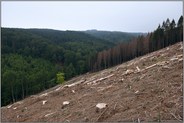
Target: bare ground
{"points": [[148, 88]]}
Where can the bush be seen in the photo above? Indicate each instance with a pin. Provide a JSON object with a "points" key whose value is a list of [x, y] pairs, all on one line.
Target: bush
{"points": [[60, 78]]}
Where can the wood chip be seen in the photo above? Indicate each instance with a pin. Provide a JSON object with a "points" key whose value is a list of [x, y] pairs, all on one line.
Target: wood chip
{"points": [[66, 103]]}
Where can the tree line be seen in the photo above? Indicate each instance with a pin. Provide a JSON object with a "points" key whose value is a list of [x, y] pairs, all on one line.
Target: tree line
{"points": [[166, 34]]}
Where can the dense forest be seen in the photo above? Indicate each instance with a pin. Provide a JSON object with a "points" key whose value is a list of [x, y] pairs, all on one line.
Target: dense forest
{"points": [[166, 34], [31, 59]]}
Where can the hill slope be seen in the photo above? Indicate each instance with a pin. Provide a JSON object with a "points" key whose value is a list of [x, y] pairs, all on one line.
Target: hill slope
{"points": [[147, 88]]}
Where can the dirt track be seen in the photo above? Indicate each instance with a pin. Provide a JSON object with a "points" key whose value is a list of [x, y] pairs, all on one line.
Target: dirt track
{"points": [[148, 88]]}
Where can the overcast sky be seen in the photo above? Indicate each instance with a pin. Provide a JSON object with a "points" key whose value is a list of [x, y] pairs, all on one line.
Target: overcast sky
{"points": [[108, 15]]}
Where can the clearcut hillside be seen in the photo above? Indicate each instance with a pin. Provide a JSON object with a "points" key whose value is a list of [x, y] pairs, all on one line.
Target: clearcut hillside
{"points": [[147, 88]]}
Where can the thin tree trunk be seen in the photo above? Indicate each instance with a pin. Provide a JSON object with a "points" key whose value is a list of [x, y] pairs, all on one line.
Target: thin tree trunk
{"points": [[13, 98], [22, 91]]}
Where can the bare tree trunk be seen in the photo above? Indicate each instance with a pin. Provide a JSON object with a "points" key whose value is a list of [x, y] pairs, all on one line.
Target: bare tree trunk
{"points": [[13, 98], [22, 91]]}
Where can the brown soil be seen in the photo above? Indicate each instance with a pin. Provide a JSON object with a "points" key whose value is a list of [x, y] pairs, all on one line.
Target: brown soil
{"points": [[152, 94]]}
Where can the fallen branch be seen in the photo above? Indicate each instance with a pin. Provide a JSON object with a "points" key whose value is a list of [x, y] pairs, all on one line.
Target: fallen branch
{"points": [[95, 81], [138, 69], [9, 106], [58, 89], [45, 94], [115, 105], [68, 116], [49, 114], [175, 117], [75, 83], [150, 66]]}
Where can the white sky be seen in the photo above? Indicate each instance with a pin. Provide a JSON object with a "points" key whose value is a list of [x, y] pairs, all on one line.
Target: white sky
{"points": [[123, 16]]}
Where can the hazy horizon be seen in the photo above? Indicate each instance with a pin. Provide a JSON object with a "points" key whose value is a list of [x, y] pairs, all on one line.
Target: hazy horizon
{"points": [[122, 16], [72, 30]]}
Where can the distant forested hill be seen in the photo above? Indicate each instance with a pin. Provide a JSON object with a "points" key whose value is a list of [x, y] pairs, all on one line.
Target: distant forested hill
{"points": [[114, 36]]}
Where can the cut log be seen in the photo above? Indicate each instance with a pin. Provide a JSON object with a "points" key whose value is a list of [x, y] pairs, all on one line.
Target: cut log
{"points": [[181, 55], [15, 108], [9, 106], [95, 81], [166, 67], [49, 114], [43, 102], [138, 69], [173, 58], [150, 66], [75, 83], [180, 59], [66, 103], [73, 91], [45, 94], [128, 72], [101, 105], [137, 92], [57, 89]]}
